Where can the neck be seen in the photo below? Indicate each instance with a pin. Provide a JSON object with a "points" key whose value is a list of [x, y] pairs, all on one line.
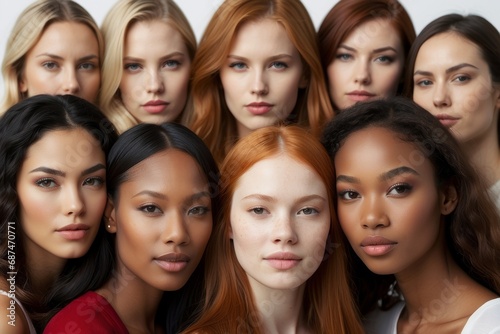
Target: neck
{"points": [[484, 153], [280, 310], [135, 301]]}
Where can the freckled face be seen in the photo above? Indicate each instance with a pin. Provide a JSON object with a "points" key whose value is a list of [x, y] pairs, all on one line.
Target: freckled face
{"points": [[280, 219], [389, 208], [162, 220], [262, 75], [64, 61], [368, 65]]}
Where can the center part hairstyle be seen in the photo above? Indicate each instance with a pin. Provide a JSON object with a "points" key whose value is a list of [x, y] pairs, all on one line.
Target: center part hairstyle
{"points": [[23, 125], [29, 27], [115, 27], [473, 28], [210, 117], [347, 15], [229, 307], [472, 230]]}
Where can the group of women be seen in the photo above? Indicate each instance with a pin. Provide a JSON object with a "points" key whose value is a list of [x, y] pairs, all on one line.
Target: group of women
{"points": [[269, 179]]}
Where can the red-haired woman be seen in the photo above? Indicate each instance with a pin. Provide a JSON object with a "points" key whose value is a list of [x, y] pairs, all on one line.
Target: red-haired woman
{"points": [[277, 260], [363, 46]]}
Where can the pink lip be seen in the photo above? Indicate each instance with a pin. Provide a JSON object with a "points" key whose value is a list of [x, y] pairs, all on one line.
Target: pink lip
{"points": [[360, 95], [259, 108], [172, 262], [73, 231], [155, 106], [377, 245], [447, 120], [283, 260]]}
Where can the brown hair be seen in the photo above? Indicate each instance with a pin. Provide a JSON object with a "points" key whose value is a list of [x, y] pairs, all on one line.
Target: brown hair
{"points": [[210, 118], [229, 307]]}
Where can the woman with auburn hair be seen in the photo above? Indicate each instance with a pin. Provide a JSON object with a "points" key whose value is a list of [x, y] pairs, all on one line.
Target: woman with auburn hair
{"points": [[418, 217], [55, 47], [277, 259], [363, 46], [257, 65], [454, 73], [146, 70]]}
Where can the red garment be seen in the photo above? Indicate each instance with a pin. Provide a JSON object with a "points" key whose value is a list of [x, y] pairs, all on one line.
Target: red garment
{"points": [[89, 313]]}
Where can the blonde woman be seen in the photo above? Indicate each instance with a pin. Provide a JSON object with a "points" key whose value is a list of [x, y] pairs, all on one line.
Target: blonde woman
{"points": [[146, 70], [55, 47]]}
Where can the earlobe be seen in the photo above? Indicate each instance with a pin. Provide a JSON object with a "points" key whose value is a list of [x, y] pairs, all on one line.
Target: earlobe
{"points": [[110, 216], [449, 199]]}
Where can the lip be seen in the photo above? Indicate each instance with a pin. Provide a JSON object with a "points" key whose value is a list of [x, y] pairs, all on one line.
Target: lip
{"points": [[172, 262], [447, 120], [283, 260], [377, 245], [259, 108], [155, 106], [360, 95], [73, 231]]}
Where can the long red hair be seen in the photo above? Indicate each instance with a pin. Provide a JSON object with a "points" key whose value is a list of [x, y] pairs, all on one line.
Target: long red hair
{"points": [[229, 306]]}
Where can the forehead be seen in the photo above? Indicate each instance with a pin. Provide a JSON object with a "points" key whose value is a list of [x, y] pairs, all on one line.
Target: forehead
{"points": [[374, 34]]}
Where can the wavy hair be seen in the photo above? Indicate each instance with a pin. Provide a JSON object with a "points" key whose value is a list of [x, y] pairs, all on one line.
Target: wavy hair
{"points": [[229, 306], [22, 125], [29, 27], [114, 28], [472, 230], [347, 15], [210, 117]]}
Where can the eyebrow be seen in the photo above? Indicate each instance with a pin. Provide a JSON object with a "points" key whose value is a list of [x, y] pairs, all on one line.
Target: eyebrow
{"points": [[273, 200], [385, 48], [383, 177], [50, 55], [63, 174], [170, 55], [448, 71], [156, 194], [279, 56]]}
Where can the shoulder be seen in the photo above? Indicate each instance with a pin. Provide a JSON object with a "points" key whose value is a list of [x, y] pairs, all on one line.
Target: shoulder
{"points": [[383, 321], [13, 320], [485, 319], [89, 313]]}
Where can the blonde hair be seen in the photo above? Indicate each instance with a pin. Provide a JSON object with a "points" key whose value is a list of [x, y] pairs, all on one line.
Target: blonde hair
{"points": [[210, 117], [29, 27], [114, 28]]}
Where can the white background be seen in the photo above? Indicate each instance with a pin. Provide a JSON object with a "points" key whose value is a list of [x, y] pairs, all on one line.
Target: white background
{"points": [[199, 13]]}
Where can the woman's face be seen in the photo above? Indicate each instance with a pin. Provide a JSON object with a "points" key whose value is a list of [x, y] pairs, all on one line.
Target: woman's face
{"points": [[64, 61], [156, 69], [453, 82], [62, 194], [163, 220], [368, 64], [280, 220], [261, 76], [389, 208]]}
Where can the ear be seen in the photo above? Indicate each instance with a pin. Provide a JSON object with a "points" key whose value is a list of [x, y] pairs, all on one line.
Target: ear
{"points": [[23, 87], [449, 199], [110, 216]]}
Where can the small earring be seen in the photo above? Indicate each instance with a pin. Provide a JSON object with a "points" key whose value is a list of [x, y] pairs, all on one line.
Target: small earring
{"points": [[108, 226]]}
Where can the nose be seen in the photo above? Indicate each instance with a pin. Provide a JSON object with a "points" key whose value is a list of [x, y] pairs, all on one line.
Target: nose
{"points": [[259, 84], [373, 214], [440, 97], [284, 230], [362, 72], [73, 203], [155, 83], [175, 230], [71, 84]]}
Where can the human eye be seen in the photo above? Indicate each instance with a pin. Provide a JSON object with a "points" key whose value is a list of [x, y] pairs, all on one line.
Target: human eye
{"points": [[239, 66], [461, 78], [94, 181], [343, 56], [87, 66], [132, 67], [400, 189], [50, 65], [384, 59], [151, 209], [171, 64], [279, 65], [423, 83], [258, 210], [198, 211], [348, 195], [308, 211], [46, 182]]}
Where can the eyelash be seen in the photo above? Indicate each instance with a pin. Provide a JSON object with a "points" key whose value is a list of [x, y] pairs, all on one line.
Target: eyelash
{"points": [[406, 187], [40, 182]]}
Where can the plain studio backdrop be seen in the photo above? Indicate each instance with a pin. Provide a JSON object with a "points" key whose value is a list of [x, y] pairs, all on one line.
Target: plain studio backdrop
{"points": [[199, 13]]}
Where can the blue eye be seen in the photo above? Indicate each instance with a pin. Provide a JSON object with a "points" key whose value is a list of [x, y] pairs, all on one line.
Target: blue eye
{"points": [[238, 66], [132, 67], [171, 64], [279, 65], [343, 56], [385, 59]]}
